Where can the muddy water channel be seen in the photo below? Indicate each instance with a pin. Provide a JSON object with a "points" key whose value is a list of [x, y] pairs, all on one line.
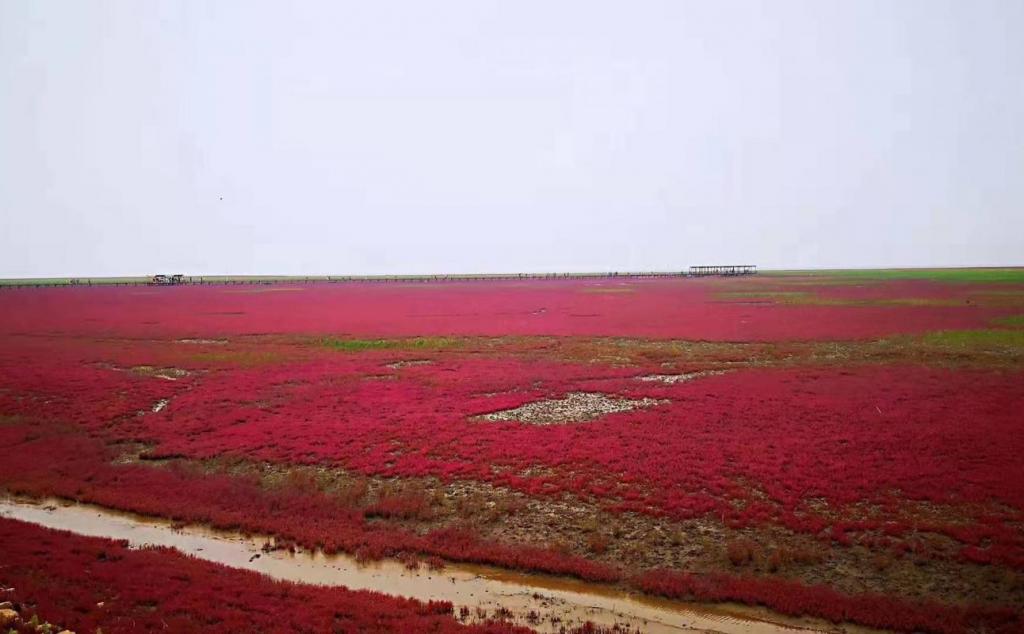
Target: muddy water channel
{"points": [[553, 602]]}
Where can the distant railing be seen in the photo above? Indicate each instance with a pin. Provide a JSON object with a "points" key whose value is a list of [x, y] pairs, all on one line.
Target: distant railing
{"points": [[333, 279]]}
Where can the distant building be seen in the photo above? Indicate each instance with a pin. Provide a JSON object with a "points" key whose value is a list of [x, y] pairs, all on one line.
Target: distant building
{"points": [[162, 279]]}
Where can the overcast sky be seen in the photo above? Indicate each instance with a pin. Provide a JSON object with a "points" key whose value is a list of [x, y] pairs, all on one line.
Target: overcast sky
{"points": [[475, 136]]}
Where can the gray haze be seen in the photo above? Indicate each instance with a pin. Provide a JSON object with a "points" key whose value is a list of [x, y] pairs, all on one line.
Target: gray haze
{"points": [[475, 136]]}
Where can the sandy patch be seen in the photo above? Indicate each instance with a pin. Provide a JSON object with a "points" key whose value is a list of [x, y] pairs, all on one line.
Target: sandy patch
{"points": [[573, 408], [168, 374], [405, 364], [678, 378]]}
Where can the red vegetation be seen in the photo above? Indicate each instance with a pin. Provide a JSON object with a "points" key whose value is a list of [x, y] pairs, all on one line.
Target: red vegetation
{"points": [[797, 599], [661, 308], [85, 583], [751, 446], [402, 506], [841, 453], [75, 468]]}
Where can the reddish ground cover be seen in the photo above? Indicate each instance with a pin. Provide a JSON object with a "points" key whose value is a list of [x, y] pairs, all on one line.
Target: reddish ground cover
{"points": [[55, 463], [866, 454], [661, 308], [871, 610], [84, 583], [750, 446]]}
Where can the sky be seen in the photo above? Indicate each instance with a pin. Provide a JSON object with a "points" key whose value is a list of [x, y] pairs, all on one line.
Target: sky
{"points": [[400, 136]]}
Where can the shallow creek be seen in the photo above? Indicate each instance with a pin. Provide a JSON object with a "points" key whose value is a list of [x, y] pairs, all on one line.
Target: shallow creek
{"points": [[553, 601]]}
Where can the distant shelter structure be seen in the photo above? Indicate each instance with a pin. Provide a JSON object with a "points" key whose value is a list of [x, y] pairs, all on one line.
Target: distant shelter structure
{"points": [[723, 269], [162, 279]]}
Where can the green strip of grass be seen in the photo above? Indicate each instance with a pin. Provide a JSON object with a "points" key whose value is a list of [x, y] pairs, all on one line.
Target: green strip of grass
{"points": [[10, 419], [359, 345], [985, 339], [248, 358], [783, 295], [61, 281], [812, 299], [1013, 321], [976, 275]]}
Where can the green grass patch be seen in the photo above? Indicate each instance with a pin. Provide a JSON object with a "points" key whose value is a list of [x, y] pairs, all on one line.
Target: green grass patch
{"points": [[11, 419], [415, 343], [812, 299], [266, 289], [777, 296], [241, 358], [986, 339], [971, 275], [1013, 321], [608, 290], [61, 281], [945, 348], [1007, 298], [913, 301]]}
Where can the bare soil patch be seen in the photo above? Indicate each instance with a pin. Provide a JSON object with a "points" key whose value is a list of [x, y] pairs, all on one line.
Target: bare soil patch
{"points": [[478, 593], [678, 378], [397, 365], [575, 407], [168, 374], [635, 541]]}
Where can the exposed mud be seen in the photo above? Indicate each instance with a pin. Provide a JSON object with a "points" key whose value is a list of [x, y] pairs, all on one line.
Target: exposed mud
{"points": [[168, 374], [397, 365], [576, 407], [929, 569], [11, 620], [677, 378], [542, 602]]}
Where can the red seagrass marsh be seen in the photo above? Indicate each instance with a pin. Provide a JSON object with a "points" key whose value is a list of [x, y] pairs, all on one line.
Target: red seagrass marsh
{"points": [[837, 448]]}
